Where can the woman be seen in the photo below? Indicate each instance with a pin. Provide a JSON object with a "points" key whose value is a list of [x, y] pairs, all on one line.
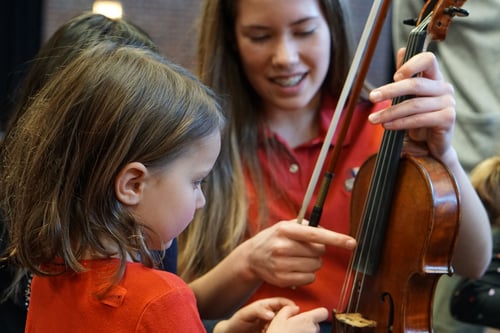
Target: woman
{"points": [[281, 65]]}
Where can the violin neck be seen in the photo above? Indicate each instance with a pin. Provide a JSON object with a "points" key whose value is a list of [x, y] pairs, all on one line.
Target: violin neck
{"points": [[380, 193]]}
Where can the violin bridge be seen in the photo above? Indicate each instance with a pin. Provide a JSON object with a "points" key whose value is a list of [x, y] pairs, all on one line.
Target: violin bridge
{"points": [[354, 320]]}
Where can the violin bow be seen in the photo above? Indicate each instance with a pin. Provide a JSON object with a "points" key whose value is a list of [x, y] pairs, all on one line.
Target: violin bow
{"points": [[360, 65]]}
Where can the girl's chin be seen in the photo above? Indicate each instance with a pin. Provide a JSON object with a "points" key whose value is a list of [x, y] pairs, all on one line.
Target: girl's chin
{"points": [[166, 245], [159, 246]]}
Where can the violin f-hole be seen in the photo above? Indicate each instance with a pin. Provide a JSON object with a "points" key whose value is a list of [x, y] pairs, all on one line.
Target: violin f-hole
{"points": [[387, 297]]}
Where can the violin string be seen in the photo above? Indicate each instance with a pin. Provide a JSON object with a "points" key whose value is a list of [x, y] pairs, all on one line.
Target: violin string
{"points": [[366, 236], [371, 20], [374, 209], [380, 181], [380, 177]]}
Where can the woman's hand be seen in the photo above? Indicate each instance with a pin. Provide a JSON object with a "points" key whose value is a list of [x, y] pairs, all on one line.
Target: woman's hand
{"points": [[272, 315], [429, 116], [288, 254]]}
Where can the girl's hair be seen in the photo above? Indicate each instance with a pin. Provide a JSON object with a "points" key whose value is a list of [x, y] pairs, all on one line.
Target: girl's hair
{"points": [[485, 178], [111, 106], [67, 42], [219, 228]]}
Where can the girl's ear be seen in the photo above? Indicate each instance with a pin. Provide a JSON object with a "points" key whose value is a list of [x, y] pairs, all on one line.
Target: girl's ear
{"points": [[129, 183]]}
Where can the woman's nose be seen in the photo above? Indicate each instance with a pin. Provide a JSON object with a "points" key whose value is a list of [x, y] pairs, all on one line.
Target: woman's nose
{"points": [[286, 53]]}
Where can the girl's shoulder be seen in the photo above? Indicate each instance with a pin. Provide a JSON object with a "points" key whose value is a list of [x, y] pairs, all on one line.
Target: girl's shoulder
{"points": [[146, 276]]}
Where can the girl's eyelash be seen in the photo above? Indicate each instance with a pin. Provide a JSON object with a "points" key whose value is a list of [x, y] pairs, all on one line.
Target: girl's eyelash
{"points": [[199, 182]]}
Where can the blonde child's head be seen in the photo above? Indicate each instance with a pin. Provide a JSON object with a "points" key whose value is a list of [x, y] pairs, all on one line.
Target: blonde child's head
{"points": [[485, 178]]}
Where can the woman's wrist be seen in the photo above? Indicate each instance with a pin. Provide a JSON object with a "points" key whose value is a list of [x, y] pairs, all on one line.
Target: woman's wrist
{"points": [[243, 263]]}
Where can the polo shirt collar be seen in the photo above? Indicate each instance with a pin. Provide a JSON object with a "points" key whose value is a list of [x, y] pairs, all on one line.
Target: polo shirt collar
{"points": [[325, 117]]}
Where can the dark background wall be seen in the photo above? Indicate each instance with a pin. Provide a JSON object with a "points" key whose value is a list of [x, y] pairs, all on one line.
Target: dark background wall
{"points": [[170, 23], [26, 24], [20, 23]]}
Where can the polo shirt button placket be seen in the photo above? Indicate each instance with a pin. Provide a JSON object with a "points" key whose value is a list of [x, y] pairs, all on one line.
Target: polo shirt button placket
{"points": [[294, 168]]}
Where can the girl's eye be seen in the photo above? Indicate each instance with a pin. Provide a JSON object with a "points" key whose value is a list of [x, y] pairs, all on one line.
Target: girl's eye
{"points": [[198, 183]]}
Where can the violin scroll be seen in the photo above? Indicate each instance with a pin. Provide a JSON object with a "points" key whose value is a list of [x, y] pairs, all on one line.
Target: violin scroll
{"points": [[440, 13]]}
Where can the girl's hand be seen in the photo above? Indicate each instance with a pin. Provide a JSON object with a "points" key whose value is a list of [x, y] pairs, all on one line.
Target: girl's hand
{"points": [[272, 315], [304, 322]]}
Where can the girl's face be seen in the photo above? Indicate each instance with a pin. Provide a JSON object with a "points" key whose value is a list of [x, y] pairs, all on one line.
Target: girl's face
{"points": [[171, 196], [284, 46]]}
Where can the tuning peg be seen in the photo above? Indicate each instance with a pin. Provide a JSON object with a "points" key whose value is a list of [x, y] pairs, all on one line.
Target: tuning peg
{"points": [[456, 11], [412, 22]]}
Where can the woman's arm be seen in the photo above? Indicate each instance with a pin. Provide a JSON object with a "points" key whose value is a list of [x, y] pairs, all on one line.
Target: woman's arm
{"points": [[474, 245], [285, 254]]}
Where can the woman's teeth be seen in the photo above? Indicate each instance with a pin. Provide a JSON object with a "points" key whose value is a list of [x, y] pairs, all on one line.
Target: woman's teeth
{"points": [[290, 81]]}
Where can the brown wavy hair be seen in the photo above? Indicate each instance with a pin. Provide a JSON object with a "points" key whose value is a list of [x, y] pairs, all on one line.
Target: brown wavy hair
{"points": [[485, 178], [111, 106]]}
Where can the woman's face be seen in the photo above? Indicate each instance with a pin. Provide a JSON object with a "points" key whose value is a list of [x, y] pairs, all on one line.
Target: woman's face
{"points": [[284, 46]]}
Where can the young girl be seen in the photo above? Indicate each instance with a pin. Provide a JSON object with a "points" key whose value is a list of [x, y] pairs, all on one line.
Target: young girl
{"points": [[103, 167], [67, 42]]}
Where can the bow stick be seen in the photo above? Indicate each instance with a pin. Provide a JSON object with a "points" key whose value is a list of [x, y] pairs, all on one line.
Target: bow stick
{"points": [[372, 28]]}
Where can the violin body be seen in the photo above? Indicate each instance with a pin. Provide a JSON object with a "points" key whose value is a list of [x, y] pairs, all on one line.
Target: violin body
{"points": [[418, 246]]}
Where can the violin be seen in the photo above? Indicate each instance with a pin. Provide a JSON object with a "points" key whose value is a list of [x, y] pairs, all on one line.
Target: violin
{"points": [[405, 210]]}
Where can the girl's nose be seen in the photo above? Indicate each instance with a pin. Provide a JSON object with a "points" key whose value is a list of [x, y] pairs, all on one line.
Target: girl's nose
{"points": [[200, 200]]}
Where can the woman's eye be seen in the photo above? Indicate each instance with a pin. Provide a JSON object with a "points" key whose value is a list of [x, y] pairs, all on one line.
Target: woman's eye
{"points": [[306, 32], [259, 38]]}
